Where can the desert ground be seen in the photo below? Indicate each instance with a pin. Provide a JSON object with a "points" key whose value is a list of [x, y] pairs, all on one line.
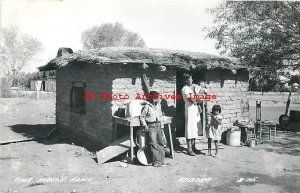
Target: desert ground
{"points": [[62, 164]]}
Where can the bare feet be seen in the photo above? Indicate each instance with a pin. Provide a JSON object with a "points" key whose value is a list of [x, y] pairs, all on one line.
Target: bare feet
{"points": [[191, 153], [209, 153], [196, 151], [161, 165], [165, 165]]}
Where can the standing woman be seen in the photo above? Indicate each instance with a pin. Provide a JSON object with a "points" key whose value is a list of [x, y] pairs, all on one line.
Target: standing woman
{"points": [[191, 115]]}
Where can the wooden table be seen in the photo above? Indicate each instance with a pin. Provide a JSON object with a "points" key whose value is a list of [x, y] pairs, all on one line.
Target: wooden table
{"points": [[135, 122]]}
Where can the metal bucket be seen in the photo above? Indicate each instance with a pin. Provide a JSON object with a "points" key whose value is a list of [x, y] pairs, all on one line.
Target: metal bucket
{"points": [[141, 138], [144, 156], [251, 143], [233, 137]]}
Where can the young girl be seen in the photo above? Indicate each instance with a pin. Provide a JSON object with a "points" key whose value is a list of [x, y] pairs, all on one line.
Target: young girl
{"points": [[214, 128]]}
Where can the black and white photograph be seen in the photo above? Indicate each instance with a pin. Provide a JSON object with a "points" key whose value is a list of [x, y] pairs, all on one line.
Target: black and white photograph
{"points": [[148, 96]]}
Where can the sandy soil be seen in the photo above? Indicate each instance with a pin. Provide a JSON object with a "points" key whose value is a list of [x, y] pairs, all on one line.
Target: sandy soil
{"points": [[57, 165]]}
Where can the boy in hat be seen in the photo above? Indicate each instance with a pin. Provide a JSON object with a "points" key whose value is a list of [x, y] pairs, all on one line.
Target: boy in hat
{"points": [[152, 120]]}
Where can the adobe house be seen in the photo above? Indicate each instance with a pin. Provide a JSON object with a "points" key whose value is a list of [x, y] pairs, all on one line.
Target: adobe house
{"points": [[120, 71], [48, 85]]}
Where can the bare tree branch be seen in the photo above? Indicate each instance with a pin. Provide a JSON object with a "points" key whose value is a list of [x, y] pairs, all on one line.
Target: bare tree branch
{"points": [[17, 50]]}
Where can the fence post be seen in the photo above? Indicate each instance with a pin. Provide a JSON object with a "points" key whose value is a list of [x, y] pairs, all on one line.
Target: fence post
{"points": [[36, 90]]}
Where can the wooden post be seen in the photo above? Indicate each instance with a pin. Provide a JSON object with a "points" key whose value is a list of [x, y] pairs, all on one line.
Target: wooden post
{"points": [[53, 87], [260, 128], [115, 130], [36, 90], [171, 141], [275, 131], [131, 144], [270, 132], [204, 117]]}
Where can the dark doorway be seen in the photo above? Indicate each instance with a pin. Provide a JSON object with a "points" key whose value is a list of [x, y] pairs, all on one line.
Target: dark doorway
{"points": [[43, 85], [179, 106]]}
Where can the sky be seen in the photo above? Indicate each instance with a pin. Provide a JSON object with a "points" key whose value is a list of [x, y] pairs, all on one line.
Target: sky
{"points": [[171, 24]]}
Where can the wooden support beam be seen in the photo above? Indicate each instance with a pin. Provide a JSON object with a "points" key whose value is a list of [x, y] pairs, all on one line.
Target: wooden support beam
{"points": [[18, 140], [50, 133], [113, 150]]}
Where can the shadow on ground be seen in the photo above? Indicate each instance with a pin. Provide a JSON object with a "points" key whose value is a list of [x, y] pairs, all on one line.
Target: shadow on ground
{"points": [[32, 131], [286, 142], [40, 132]]}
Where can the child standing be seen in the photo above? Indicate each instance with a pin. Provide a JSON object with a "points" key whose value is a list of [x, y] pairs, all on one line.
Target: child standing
{"points": [[152, 120], [214, 128]]}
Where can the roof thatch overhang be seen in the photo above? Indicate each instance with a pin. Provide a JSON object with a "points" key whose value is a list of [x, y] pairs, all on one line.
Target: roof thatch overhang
{"points": [[172, 59]]}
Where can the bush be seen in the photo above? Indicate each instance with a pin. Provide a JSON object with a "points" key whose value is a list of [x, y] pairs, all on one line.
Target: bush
{"points": [[6, 87], [22, 80]]}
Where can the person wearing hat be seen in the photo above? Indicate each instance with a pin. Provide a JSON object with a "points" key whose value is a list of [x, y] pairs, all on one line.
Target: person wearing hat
{"points": [[152, 120]]}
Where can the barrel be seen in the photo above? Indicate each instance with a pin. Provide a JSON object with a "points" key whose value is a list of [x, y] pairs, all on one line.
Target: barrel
{"points": [[233, 137], [295, 116]]}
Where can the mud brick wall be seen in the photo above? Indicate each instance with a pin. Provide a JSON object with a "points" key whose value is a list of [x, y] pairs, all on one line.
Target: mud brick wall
{"points": [[130, 82], [231, 90], [88, 125], [96, 123]]}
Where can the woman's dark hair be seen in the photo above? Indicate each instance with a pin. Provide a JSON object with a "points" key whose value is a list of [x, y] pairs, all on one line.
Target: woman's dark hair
{"points": [[216, 108], [185, 76], [153, 95]]}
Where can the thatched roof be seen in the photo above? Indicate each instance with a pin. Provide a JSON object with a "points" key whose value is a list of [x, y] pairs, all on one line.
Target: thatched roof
{"points": [[169, 58]]}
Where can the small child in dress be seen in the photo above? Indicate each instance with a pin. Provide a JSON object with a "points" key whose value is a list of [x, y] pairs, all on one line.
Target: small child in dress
{"points": [[214, 128]]}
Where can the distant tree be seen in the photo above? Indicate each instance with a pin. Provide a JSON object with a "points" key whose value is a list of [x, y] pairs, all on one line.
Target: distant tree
{"points": [[22, 80], [262, 34], [17, 50], [295, 79], [110, 35], [5, 87]]}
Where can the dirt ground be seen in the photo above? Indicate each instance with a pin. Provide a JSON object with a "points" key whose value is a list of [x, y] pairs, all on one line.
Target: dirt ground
{"points": [[57, 165]]}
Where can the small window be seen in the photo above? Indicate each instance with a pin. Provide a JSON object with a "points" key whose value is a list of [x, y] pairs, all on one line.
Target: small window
{"points": [[77, 102]]}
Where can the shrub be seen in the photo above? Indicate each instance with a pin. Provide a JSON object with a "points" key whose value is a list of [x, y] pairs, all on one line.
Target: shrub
{"points": [[6, 87]]}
